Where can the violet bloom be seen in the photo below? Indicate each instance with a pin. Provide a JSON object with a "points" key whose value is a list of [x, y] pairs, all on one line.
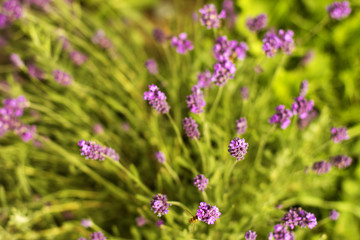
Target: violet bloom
{"points": [[78, 58], [35, 72], [152, 66], [281, 117], [257, 23], [299, 217], [228, 6], [141, 221], [271, 43], [304, 86], [286, 37], [191, 128], [159, 35], [250, 235], [307, 58], [281, 233], [223, 71], [101, 40], [42, 4], [160, 156], [86, 223], [12, 9], [156, 99], [98, 128], [240, 50], [209, 16], [66, 45], [244, 91], [181, 43], [334, 215], [62, 77], [303, 123], [26, 132], [201, 182], [341, 161], [196, 101], [3, 20], [16, 60], [225, 49], [159, 223], [207, 213], [98, 236], [204, 79], [95, 151], [302, 107], [339, 134], [241, 126], [159, 204], [339, 10], [238, 148], [321, 167]]}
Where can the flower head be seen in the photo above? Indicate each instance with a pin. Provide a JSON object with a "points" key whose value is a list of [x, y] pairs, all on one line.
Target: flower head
{"points": [[159, 35], [16, 60], [95, 151], [299, 217], [101, 40], [339, 10], [35, 72], [201, 182], [181, 43], [228, 6], [98, 236], [258, 23], [191, 128], [227, 50], [196, 101], [209, 16], [141, 221], [287, 41], [341, 161], [12, 9], [244, 91], [238, 148], [241, 126], [159, 204], [304, 86], [339, 134], [333, 215], [271, 43], [26, 132], [204, 79], [303, 123], [321, 167], [66, 45], [98, 128], [281, 117], [152, 66], [281, 233], [62, 77], [160, 156], [250, 235], [156, 99], [160, 222], [302, 107], [78, 58], [86, 223], [223, 71], [207, 213]]}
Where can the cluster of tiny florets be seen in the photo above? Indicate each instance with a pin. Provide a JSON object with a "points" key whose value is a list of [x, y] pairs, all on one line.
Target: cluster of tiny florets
{"points": [[160, 156], [94, 151], [339, 134], [238, 148], [302, 107], [207, 213], [204, 79], [225, 49], [339, 10], [241, 126], [152, 66], [281, 117], [299, 217], [191, 128], [62, 77], [157, 99], [201, 182], [273, 42], [250, 235], [182, 44], [196, 101], [159, 204], [341, 161], [258, 23], [223, 71], [209, 16]]}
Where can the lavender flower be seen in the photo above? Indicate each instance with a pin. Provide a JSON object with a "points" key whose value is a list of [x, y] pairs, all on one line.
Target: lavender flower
{"points": [[181, 43], [281, 117], [12, 9], [321, 167], [141, 221], [339, 134], [195, 101], [339, 10], [223, 71], [238, 148], [159, 35], [3, 20], [303, 123], [304, 86], [98, 236], [26, 132], [160, 156], [159, 204], [341, 161], [333, 215], [250, 235], [16, 60], [151, 66], [227, 50], [157, 99], [66, 45], [201, 182], [287, 41], [101, 40], [209, 16], [207, 213], [78, 58], [307, 58], [86, 223], [160, 222], [95, 151], [299, 217], [98, 128], [204, 79], [271, 43], [281, 233], [302, 107], [35, 72], [62, 77], [191, 128], [241, 126], [244, 91], [228, 6], [258, 23]]}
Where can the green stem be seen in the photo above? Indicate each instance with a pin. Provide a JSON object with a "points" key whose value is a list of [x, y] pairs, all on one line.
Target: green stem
{"points": [[172, 173], [229, 172], [216, 102], [178, 135], [179, 204], [259, 152], [203, 161]]}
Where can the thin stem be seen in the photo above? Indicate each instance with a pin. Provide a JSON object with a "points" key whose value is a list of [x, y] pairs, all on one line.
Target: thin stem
{"points": [[216, 102], [178, 135], [229, 174], [202, 155], [179, 204], [172, 173], [317, 28], [261, 148], [206, 199]]}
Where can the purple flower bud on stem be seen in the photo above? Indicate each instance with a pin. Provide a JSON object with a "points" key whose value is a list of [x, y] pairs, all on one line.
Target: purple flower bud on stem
{"points": [[196, 101], [250, 235], [333, 215], [152, 66], [209, 16], [204, 79], [62, 77], [182, 44], [207, 213], [339, 10], [156, 99], [321, 167], [201, 182], [339, 134], [341, 161], [159, 204], [160, 156], [238, 148], [281, 117], [95, 151], [258, 23], [191, 128]]}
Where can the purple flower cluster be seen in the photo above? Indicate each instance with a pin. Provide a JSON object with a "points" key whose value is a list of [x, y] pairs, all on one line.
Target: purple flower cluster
{"points": [[159, 204], [281, 117], [339, 134], [159, 35], [86, 223], [339, 10], [334, 215], [101, 40], [341, 161], [223, 71], [16, 60], [204, 79], [78, 58], [196, 101], [321, 167], [209, 16], [302, 107], [152, 66], [201, 182], [281, 233], [228, 6], [98, 236], [250, 235], [191, 128], [160, 156], [66, 45], [156, 99], [95, 151], [35, 72], [244, 91], [238, 148], [299, 217], [141, 221], [273, 42], [258, 23], [225, 49], [11, 11], [62, 77], [181, 43], [160, 222], [303, 123], [10, 118], [241, 126], [207, 213], [304, 86]]}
